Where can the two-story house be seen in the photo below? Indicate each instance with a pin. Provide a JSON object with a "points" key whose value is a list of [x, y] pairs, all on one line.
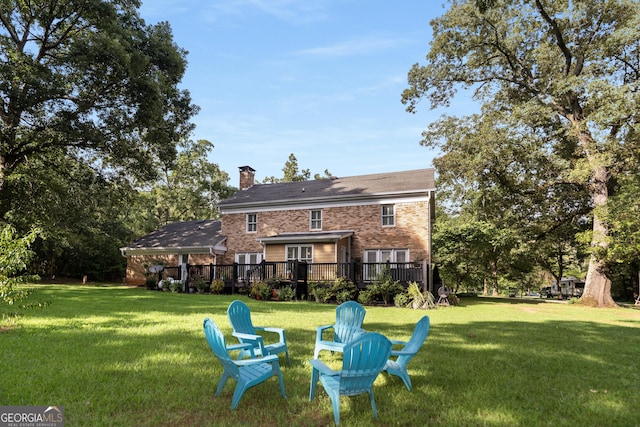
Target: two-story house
{"points": [[368, 219]]}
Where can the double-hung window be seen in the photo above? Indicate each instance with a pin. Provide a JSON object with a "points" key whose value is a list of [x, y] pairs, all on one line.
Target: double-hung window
{"points": [[315, 219], [388, 215], [252, 223], [300, 253], [377, 259]]}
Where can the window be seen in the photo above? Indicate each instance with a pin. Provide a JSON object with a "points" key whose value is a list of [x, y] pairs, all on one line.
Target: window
{"points": [[375, 260], [301, 253], [252, 223], [247, 262], [315, 219], [249, 257], [388, 216]]}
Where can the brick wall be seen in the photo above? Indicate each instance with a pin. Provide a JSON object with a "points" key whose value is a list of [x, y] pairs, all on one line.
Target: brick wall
{"points": [[137, 265], [409, 232]]}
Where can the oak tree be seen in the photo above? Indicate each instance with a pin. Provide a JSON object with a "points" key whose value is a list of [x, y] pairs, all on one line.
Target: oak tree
{"points": [[569, 68]]}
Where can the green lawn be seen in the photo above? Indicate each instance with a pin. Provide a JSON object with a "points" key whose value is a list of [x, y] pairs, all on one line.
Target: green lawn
{"points": [[116, 356]]}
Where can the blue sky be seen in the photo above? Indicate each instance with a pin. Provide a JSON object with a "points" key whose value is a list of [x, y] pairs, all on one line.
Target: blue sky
{"points": [[319, 79]]}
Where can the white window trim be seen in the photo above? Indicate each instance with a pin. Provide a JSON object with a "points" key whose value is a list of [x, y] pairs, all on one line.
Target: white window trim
{"points": [[394, 253], [247, 223], [383, 216], [298, 246], [313, 220]]}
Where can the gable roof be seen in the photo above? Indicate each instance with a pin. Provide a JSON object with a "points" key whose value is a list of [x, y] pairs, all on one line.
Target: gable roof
{"points": [[201, 236], [361, 187]]}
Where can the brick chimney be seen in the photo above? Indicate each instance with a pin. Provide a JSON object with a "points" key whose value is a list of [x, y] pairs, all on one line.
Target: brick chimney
{"points": [[247, 177]]}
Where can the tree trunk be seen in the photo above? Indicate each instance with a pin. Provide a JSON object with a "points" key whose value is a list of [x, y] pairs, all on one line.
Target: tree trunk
{"points": [[597, 288]]}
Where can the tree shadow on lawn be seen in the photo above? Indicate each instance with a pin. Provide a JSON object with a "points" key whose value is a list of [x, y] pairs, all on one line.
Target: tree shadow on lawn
{"points": [[111, 365]]}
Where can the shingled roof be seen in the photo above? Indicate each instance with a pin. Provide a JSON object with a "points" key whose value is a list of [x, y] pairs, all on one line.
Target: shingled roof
{"points": [[352, 187], [201, 236]]}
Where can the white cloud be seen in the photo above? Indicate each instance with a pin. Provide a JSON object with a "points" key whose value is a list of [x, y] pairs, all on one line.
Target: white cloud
{"points": [[358, 46]]}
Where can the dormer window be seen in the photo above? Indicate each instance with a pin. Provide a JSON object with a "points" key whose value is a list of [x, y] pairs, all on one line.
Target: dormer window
{"points": [[388, 215], [315, 219], [252, 223]]}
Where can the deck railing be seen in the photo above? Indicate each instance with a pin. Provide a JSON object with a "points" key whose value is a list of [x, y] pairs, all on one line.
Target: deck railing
{"points": [[301, 273]]}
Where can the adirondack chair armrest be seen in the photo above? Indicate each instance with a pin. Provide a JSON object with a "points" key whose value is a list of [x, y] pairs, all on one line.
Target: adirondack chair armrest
{"points": [[398, 342], [279, 331], [321, 329], [249, 337], [320, 366], [267, 359], [244, 346]]}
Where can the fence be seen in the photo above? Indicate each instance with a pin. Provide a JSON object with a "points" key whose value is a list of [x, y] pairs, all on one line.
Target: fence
{"points": [[301, 273]]}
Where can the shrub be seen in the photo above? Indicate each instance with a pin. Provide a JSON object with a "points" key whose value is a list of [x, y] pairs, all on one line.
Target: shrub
{"points": [[175, 286], [344, 290], [199, 284], [286, 293], [418, 299], [261, 290], [150, 283], [401, 300], [320, 292], [217, 286], [366, 297], [386, 290]]}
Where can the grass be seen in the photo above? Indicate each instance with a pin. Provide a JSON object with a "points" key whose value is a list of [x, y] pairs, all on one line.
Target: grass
{"points": [[117, 356]]}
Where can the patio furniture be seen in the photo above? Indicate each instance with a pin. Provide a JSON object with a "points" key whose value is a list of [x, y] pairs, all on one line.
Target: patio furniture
{"points": [[247, 373], [403, 356], [348, 326], [362, 361], [240, 317]]}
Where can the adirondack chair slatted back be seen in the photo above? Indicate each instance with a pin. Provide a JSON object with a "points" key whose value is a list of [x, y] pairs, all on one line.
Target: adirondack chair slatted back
{"points": [[420, 333], [349, 318], [218, 345], [247, 373], [247, 333], [240, 317], [362, 362], [398, 367]]}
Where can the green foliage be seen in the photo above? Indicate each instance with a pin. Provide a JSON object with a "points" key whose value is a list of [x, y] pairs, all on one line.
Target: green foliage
{"points": [[260, 290], [293, 174], [343, 289], [98, 79], [416, 298], [187, 189], [321, 292], [199, 283], [286, 293], [150, 282], [401, 300], [92, 111], [14, 259], [217, 286], [385, 288], [557, 126], [366, 296], [176, 286]]}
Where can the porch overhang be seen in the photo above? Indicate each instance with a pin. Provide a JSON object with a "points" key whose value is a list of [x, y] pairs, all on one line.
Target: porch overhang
{"points": [[307, 237], [197, 250]]}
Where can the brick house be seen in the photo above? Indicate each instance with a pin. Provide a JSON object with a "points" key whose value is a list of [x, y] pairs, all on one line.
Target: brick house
{"points": [[175, 245], [369, 219]]}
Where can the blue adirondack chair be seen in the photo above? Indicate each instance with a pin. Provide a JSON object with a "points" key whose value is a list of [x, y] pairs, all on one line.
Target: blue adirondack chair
{"points": [[247, 373], [362, 361], [409, 349], [240, 317], [348, 326]]}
